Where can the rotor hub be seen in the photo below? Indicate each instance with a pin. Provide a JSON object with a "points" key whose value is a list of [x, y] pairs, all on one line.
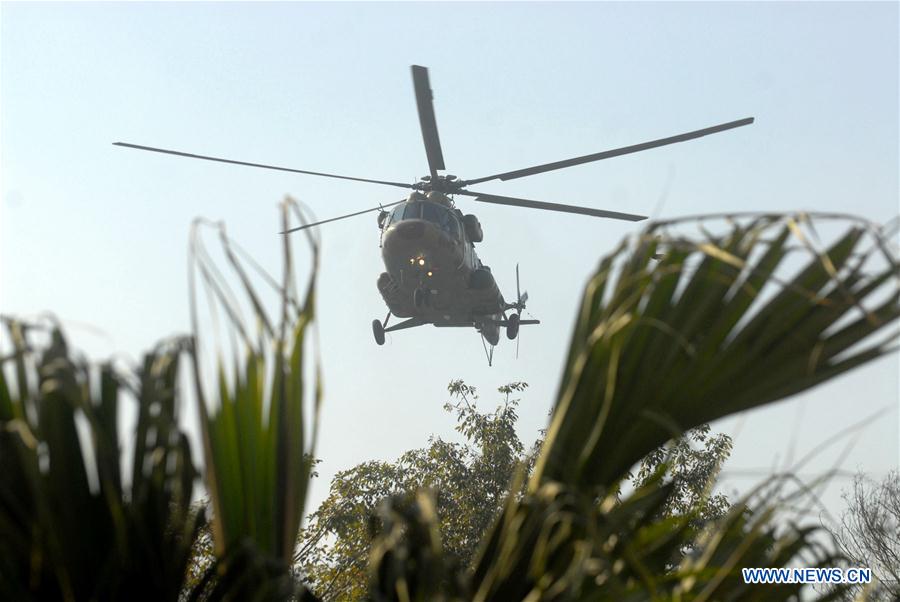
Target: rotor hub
{"points": [[446, 184]]}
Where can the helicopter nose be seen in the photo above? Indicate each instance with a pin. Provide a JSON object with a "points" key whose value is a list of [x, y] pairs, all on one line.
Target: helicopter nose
{"points": [[411, 230]]}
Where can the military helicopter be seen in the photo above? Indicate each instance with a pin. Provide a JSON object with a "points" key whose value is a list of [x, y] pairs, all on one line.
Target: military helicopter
{"points": [[433, 274]]}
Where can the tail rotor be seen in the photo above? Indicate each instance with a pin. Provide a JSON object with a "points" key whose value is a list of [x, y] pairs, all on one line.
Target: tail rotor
{"points": [[514, 321], [521, 297]]}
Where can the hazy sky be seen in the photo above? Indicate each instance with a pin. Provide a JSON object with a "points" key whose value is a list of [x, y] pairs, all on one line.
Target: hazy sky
{"points": [[98, 234]]}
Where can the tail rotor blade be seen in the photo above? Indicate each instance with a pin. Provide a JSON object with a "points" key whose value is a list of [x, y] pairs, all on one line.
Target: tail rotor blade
{"points": [[520, 303], [518, 293]]}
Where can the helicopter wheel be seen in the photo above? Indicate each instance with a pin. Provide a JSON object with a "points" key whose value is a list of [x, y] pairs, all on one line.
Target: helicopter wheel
{"points": [[420, 298], [512, 327], [378, 331]]}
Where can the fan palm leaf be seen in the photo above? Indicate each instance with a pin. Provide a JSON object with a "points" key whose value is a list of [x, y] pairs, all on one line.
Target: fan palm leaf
{"points": [[74, 527], [258, 442]]}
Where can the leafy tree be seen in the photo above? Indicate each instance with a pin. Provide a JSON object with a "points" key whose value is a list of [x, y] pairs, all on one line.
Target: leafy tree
{"points": [[470, 482], [692, 463], [869, 532]]}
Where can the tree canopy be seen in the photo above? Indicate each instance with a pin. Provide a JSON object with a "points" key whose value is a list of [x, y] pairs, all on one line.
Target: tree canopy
{"points": [[470, 481]]}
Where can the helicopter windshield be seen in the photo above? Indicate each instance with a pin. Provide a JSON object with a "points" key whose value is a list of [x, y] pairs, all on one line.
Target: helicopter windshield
{"points": [[397, 213], [436, 214]]}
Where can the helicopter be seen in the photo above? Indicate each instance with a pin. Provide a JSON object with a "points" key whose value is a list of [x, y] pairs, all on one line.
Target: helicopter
{"points": [[432, 273]]}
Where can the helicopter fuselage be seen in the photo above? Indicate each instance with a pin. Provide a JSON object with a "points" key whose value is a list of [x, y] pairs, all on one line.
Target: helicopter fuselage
{"points": [[432, 271]]}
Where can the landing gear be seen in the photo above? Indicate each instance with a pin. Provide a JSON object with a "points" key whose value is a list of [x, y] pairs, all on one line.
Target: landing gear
{"points": [[378, 331], [512, 327]]}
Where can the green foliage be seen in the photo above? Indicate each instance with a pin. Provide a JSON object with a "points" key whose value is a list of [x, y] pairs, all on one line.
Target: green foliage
{"points": [[470, 483], [658, 349], [72, 525], [333, 551], [712, 329], [716, 327], [408, 553], [257, 441], [693, 472]]}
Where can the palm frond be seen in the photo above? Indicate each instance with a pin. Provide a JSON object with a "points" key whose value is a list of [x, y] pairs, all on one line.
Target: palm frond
{"points": [[719, 326], [74, 527], [258, 441]]}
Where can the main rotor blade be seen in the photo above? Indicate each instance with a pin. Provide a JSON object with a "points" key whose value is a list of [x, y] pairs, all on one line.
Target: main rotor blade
{"points": [[427, 122], [625, 150], [508, 200], [334, 219], [261, 165]]}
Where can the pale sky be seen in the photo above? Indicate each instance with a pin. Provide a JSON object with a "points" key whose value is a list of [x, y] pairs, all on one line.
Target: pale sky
{"points": [[98, 234]]}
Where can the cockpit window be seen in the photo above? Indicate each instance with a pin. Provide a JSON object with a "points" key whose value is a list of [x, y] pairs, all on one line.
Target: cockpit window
{"points": [[436, 214], [441, 216], [413, 211], [397, 214], [430, 212]]}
